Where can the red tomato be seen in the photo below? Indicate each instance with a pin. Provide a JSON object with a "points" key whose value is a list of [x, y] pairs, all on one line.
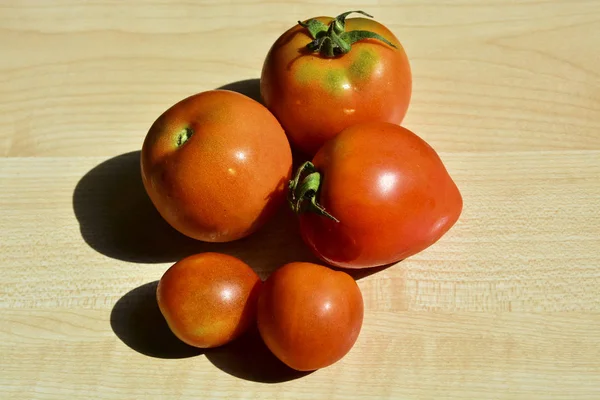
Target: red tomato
{"points": [[309, 316], [355, 71], [215, 165], [208, 299], [388, 190]]}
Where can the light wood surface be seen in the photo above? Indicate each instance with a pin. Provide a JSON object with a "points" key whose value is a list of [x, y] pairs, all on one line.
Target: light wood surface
{"points": [[505, 306]]}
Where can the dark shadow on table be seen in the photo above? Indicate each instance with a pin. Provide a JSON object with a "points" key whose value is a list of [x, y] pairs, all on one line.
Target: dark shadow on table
{"points": [[138, 322], [358, 274], [249, 358], [117, 219], [248, 87]]}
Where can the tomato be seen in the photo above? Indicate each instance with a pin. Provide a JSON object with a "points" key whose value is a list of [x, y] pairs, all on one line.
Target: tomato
{"points": [[309, 316], [374, 195], [208, 299], [215, 165], [348, 75]]}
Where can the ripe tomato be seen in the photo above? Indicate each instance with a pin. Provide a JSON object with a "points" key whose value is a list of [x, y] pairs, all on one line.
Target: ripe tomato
{"points": [[380, 194], [309, 316], [327, 74], [208, 299], [215, 165]]}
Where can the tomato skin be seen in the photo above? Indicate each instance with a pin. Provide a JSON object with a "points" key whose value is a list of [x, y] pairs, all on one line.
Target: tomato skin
{"points": [[208, 299], [389, 190], [228, 178], [315, 97], [309, 316]]}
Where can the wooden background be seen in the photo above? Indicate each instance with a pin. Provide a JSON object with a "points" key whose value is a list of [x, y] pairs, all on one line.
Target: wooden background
{"points": [[505, 306]]}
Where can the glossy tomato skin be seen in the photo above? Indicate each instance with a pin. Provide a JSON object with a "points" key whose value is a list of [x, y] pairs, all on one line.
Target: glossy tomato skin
{"points": [[315, 97], [309, 316], [228, 178], [389, 190], [209, 299]]}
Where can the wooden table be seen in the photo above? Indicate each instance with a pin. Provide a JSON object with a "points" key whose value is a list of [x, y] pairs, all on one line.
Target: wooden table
{"points": [[505, 306]]}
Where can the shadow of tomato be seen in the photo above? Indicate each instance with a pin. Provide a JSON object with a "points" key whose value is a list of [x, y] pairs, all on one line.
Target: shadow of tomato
{"points": [[117, 219], [249, 358], [247, 87], [138, 322]]}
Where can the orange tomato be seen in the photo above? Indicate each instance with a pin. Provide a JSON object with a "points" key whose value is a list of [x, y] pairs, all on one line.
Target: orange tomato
{"points": [[309, 316], [315, 95], [388, 190], [208, 299], [216, 165]]}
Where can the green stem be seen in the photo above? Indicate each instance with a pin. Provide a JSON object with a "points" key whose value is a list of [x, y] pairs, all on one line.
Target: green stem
{"points": [[333, 40], [304, 189]]}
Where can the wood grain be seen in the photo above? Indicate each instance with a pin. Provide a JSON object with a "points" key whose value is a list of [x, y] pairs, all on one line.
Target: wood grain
{"points": [[452, 356], [505, 306]]}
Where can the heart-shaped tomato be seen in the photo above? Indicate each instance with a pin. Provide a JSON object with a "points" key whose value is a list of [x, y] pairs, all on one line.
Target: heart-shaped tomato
{"points": [[374, 195]]}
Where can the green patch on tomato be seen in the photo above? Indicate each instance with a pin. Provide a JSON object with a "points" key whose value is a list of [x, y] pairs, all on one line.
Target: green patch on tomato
{"points": [[333, 81], [336, 81], [364, 65]]}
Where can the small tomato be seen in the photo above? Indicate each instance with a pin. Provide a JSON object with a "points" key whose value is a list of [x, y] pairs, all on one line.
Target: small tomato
{"points": [[208, 299], [309, 316]]}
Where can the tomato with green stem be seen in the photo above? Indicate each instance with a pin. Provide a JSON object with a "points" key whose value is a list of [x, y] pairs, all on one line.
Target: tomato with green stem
{"points": [[374, 195], [326, 74]]}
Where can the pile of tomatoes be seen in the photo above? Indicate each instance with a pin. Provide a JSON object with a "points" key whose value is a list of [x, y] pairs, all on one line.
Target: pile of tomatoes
{"points": [[218, 165]]}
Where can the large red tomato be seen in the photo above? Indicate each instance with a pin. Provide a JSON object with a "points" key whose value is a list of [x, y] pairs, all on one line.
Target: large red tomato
{"points": [[209, 299], [215, 165], [309, 316], [327, 74], [374, 195]]}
